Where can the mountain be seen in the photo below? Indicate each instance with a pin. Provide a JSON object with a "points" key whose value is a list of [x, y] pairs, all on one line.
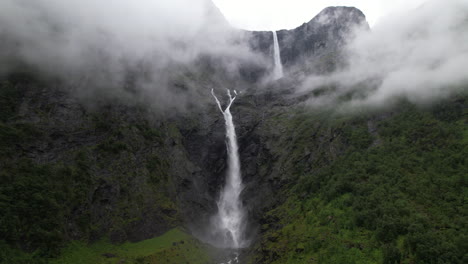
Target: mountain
{"points": [[321, 37], [112, 179]]}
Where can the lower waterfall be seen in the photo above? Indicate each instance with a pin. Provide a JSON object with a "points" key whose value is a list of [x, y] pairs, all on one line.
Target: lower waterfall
{"points": [[229, 221]]}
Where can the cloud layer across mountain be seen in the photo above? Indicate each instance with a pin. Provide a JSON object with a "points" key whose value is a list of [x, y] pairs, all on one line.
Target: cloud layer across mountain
{"points": [[420, 55]]}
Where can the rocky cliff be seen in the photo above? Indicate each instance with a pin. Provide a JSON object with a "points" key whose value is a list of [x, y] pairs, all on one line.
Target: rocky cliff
{"points": [[305, 48], [380, 185]]}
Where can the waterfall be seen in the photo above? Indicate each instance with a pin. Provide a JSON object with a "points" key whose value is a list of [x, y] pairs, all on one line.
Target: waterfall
{"points": [[278, 70], [229, 220]]}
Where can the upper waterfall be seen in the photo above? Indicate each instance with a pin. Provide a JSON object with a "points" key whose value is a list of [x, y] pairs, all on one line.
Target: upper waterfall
{"points": [[278, 70]]}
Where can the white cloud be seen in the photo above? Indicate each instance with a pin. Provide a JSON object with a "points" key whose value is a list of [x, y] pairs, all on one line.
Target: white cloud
{"points": [[421, 55], [104, 40], [415, 53]]}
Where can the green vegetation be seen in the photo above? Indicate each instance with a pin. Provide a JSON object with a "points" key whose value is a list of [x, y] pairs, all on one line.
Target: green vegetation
{"points": [[394, 195], [384, 186], [9, 95], [175, 246], [96, 176], [32, 212]]}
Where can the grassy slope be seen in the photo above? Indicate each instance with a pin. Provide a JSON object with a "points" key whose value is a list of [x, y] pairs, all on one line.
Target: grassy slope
{"points": [[175, 246], [395, 196]]}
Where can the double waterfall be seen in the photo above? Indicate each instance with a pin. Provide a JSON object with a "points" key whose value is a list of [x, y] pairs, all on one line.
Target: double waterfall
{"points": [[229, 222]]}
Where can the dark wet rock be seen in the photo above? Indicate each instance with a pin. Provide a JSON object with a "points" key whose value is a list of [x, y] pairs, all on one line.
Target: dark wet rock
{"points": [[314, 45]]}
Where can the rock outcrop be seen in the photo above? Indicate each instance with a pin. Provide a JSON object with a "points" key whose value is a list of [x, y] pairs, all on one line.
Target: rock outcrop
{"points": [[301, 47]]}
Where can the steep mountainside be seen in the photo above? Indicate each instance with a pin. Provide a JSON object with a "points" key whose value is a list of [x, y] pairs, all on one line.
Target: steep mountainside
{"points": [[305, 48], [375, 185], [105, 179]]}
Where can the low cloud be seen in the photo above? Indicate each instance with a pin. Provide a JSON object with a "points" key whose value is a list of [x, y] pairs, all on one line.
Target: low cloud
{"points": [[108, 44], [421, 55]]}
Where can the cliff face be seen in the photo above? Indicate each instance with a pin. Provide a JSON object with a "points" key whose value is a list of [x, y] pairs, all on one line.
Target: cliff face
{"points": [[303, 46], [350, 187], [109, 168], [71, 171], [321, 186], [329, 30], [82, 173]]}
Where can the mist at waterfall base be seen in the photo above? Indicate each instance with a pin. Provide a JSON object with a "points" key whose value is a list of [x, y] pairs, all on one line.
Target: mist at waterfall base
{"points": [[229, 222]]}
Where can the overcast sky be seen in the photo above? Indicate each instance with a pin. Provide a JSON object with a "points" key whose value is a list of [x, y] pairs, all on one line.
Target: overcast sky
{"points": [[287, 14]]}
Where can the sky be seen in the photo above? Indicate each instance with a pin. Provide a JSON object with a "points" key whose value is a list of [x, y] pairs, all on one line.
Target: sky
{"points": [[288, 14]]}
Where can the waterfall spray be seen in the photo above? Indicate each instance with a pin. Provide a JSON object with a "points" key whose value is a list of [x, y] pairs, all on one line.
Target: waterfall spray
{"points": [[229, 222], [278, 70]]}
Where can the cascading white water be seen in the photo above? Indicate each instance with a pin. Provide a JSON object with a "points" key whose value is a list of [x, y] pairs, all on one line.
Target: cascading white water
{"points": [[278, 69], [229, 222]]}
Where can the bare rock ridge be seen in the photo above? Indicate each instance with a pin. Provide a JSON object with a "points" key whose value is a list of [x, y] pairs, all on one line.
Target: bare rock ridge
{"points": [[322, 35], [325, 32]]}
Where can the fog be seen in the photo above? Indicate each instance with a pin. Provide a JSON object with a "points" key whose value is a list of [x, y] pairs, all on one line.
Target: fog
{"points": [[64, 31], [156, 51], [421, 55], [96, 44]]}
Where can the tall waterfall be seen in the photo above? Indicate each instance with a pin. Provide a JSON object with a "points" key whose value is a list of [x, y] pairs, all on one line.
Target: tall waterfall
{"points": [[229, 222], [278, 70]]}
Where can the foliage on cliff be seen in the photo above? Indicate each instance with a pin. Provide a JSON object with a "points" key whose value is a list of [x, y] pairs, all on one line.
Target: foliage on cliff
{"points": [[70, 173], [368, 186], [389, 187]]}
